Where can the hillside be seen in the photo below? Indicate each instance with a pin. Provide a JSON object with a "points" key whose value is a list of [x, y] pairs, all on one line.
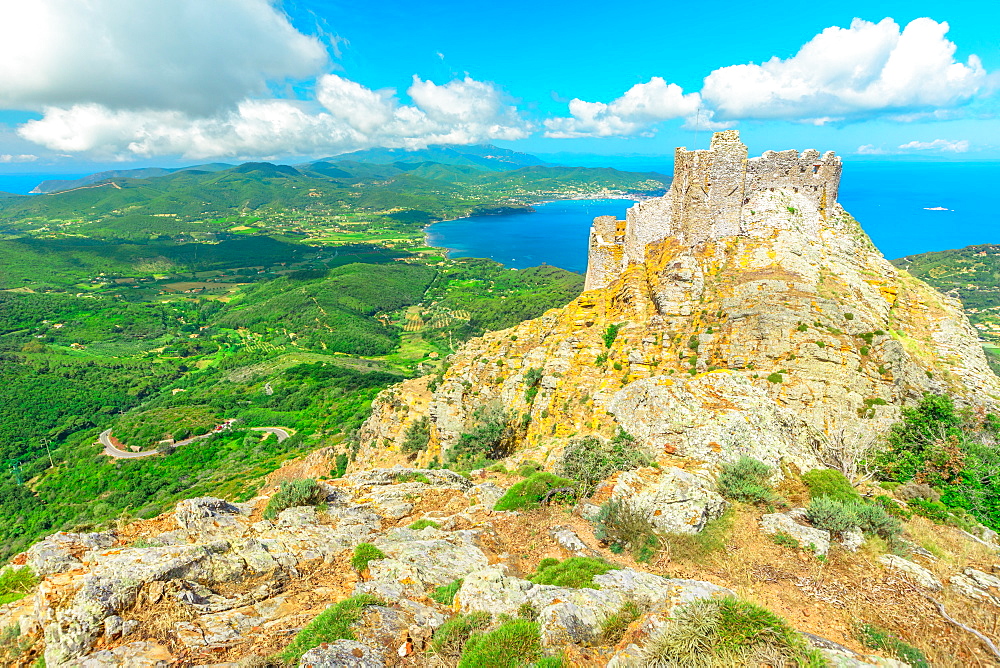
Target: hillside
{"points": [[749, 441], [971, 274]]}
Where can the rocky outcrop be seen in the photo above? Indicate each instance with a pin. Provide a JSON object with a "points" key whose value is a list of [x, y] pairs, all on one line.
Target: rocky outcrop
{"points": [[764, 336]]}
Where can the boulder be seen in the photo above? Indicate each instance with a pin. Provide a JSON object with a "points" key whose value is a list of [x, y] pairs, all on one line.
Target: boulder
{"points": [[62, 551], [790, 523], [916, 572], [342, 654], [677, 501]]}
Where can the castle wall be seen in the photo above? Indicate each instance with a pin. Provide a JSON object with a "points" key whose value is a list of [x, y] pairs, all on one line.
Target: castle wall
{"points": [[604, 260], [706, 199]]}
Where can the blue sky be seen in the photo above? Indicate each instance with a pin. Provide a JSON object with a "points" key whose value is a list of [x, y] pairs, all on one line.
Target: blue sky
{"points": [[138, 82]]}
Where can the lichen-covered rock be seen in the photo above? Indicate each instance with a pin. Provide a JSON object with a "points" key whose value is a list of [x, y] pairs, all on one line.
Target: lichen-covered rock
{"points": [[204, 512], [299, 516], [567, 539], [140, 654], [414, 558], [790, 523], [676, 501], [343, 654], [851, 540], [63, 551], [916, 572]]}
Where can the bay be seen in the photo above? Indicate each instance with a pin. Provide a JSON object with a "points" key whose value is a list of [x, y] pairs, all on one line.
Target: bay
{"points": [[905, 207]]}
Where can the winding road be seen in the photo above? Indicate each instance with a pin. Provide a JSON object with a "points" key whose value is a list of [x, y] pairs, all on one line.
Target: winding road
{"points": [[111, 450]]}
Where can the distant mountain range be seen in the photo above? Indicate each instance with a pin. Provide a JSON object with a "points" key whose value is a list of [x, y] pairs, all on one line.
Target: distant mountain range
{"points": [[59, 185], [484, 157]]}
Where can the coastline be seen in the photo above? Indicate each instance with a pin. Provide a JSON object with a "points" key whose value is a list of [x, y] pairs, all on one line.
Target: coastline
{"points": [[582, 197]]}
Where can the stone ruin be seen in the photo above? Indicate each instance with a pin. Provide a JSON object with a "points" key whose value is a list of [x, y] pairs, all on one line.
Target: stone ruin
{"points": [[706, 201]]}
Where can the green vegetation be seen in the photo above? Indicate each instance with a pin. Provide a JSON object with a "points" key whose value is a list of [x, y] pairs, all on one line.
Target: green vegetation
{"points": [[445, 594], [747, 480], [575, 572], [718, 633], [450, 638], [877, 638], [694, 547], [423, 524], [785, 540], [493, 437], [260, 294], [511, 645], [332, 624], [839, 516], [301, 492], [969, 273], [590, 460], [830, 483], [418, 435], [611, 333], [530, 492], [953, 452], [624, 526], [363, 553], [775, 378], [614, 625], [15, 583]]}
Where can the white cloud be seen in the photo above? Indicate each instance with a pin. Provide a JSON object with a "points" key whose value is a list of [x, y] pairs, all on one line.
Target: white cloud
{"points": [[850, 73], [943, 145], [352, 117], [24, 157], [642, 106], [195, 56], [870, 149]]}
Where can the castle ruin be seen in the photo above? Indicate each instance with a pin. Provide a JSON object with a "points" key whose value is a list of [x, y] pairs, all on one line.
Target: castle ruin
{"points": [[708, 199]]}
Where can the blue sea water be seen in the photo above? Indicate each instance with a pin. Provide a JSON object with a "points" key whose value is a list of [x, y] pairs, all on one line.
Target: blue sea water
{"points": [[891, 200], [22, 184]]}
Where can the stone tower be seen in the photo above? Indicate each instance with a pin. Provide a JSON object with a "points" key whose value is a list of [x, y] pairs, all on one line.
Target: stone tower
{"points": [[708, 199]]}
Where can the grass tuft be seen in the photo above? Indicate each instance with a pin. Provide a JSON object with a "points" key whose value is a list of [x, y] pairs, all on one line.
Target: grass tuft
{"points": [[529, 493], [511, 645], [575, 572], [332, 624], [450, 638], [445, 594], [364, 553]]}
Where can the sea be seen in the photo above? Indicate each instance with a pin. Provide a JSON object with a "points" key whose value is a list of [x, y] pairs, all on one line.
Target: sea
{"points": [[905, 207]]}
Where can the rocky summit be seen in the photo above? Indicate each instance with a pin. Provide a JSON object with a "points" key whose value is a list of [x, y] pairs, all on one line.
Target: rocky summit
{"points": [[672, 470], [743, 313]]}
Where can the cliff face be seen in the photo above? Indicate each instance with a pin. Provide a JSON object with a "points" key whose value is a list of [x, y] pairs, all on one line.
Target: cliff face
{"points": [[758, 321]]}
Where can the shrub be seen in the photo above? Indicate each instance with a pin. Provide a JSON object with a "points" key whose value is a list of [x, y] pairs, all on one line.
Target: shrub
{"points": [[624, 526], [528, 469], [530, 492], [590, 460], [874, 520], [450, 638], [717, 633], [418, 436], [830, 483], [301, 492], [746, 481], [15, 583], [332, 624], [364, 553], [837, 517], [575, 572], [445, 594], [834, 516], [511, 645], [614, 625], [423, 524], [892, 507], [873, 637], [493, 437], [339, 465], [611, 333], [775, 378]]}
